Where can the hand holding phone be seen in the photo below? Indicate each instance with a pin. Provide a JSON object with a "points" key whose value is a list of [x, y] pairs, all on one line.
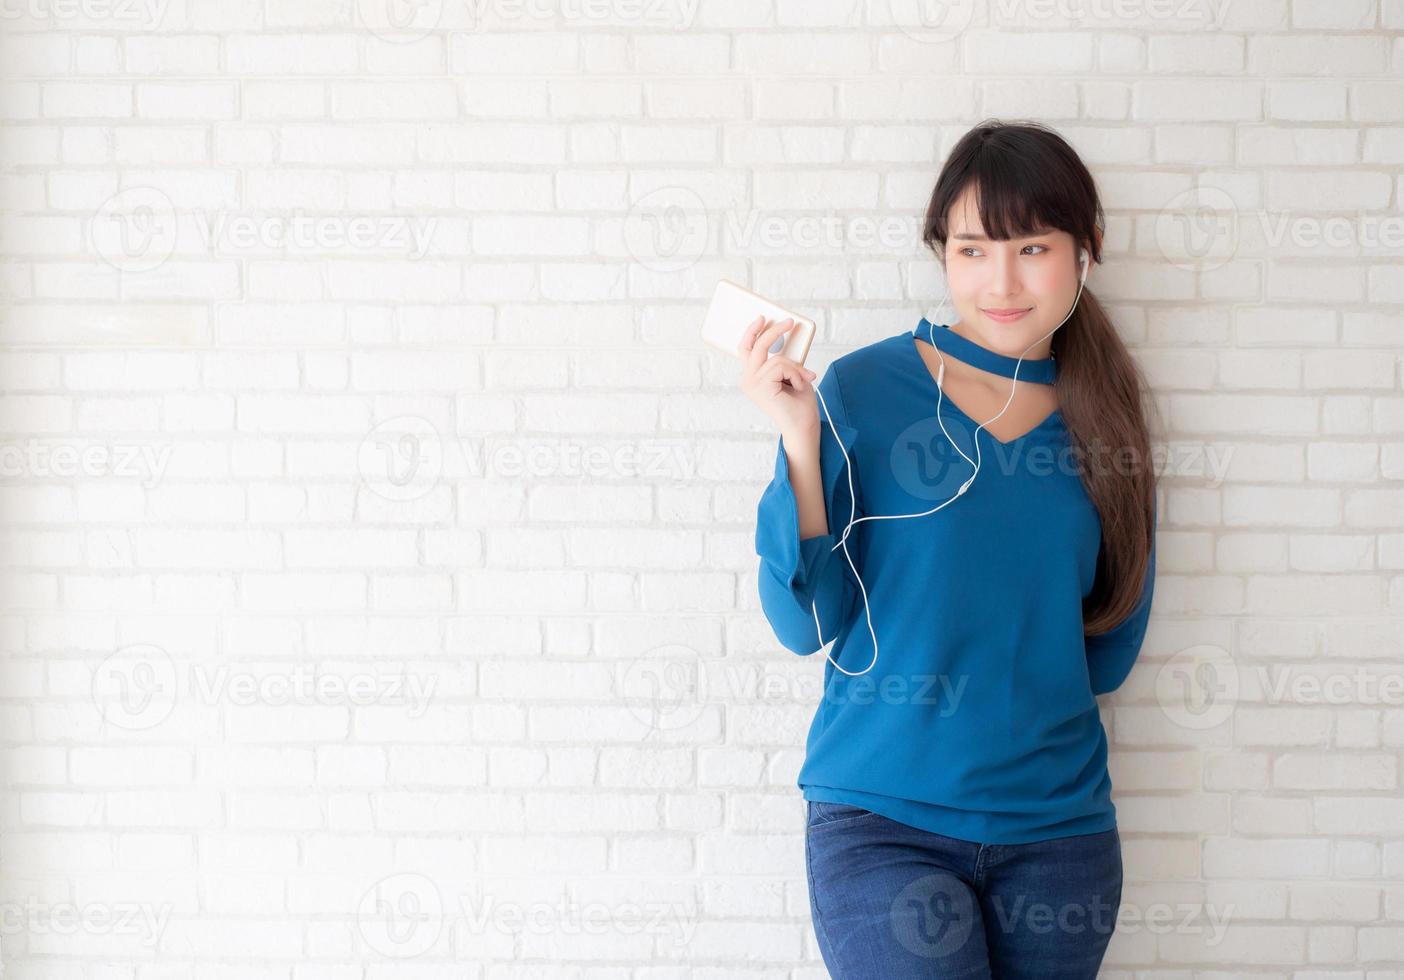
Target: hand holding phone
{"points": [[779, 387], [734, 306], [772, 351]]}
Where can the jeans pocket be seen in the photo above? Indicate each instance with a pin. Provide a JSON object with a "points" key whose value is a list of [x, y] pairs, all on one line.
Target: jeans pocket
{"points": [[822, 814]]}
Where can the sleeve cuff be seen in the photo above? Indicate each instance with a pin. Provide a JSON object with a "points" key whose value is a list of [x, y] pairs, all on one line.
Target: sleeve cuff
{"points": [[798, 563]]}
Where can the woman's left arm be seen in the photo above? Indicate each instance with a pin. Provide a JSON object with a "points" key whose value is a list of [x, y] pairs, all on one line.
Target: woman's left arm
{"points": [[1111, 655]]}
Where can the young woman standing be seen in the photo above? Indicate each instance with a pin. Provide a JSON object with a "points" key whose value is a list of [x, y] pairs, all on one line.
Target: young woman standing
{"points": [[980, 583]]}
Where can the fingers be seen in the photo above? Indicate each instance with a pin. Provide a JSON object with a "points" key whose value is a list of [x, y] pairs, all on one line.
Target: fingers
{"points": [[781, 368], [743, 346], [796, 376], [760, 337], [760, 341]]}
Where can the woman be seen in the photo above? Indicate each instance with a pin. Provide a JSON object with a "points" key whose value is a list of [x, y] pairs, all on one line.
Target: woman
{"points": [[960, 822]]}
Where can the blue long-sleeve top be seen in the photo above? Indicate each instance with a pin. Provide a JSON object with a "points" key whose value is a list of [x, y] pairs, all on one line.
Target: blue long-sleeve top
{"points": [[979, 719]]}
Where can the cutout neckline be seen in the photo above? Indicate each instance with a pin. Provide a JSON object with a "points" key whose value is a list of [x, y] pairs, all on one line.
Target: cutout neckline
{"points": [[1039, 370], [1052, 418]]}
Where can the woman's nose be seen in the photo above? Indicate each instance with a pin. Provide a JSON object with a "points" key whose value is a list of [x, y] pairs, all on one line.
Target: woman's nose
{"points": [[1006, 277]]}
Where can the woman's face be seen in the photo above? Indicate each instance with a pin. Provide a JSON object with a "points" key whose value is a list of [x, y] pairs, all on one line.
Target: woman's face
{"points": [[1037, 274]]}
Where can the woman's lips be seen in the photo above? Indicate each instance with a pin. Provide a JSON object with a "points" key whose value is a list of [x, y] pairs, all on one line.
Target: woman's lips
{"points": [[1002, 317]]}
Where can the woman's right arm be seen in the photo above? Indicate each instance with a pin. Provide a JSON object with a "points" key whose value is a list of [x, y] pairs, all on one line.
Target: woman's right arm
{"points": [[802, 460], [803, 510]]}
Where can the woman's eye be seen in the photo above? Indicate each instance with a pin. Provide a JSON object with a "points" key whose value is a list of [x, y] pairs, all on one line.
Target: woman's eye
{"points": [[970, 248]]}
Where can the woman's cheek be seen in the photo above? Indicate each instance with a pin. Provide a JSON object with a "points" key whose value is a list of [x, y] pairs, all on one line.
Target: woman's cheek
{"points": [[964, 283], [1048, 282]]}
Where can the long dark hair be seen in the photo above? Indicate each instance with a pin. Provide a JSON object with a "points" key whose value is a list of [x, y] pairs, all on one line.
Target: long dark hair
{"points": [[1027, 177]]}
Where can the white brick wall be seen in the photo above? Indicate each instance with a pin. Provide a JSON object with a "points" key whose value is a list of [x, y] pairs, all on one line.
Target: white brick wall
{"points": [[377, 533]]}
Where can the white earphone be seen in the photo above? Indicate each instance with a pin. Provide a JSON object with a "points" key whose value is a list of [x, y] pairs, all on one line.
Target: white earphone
{"points": [[1083, 259]]}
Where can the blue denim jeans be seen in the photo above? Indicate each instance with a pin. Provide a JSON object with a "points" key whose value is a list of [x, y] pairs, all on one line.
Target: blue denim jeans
{"points": [[889, 900]]}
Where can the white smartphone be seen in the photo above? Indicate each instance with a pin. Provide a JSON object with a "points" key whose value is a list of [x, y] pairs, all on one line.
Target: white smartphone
{"points": [[734, 308]]}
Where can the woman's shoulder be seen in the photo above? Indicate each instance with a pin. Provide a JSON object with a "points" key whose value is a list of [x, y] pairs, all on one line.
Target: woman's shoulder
{"points": [[871, 363]]}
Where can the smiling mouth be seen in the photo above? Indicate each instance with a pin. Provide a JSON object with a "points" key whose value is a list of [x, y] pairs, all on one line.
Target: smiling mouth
{"points": [[1008, 312]]}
